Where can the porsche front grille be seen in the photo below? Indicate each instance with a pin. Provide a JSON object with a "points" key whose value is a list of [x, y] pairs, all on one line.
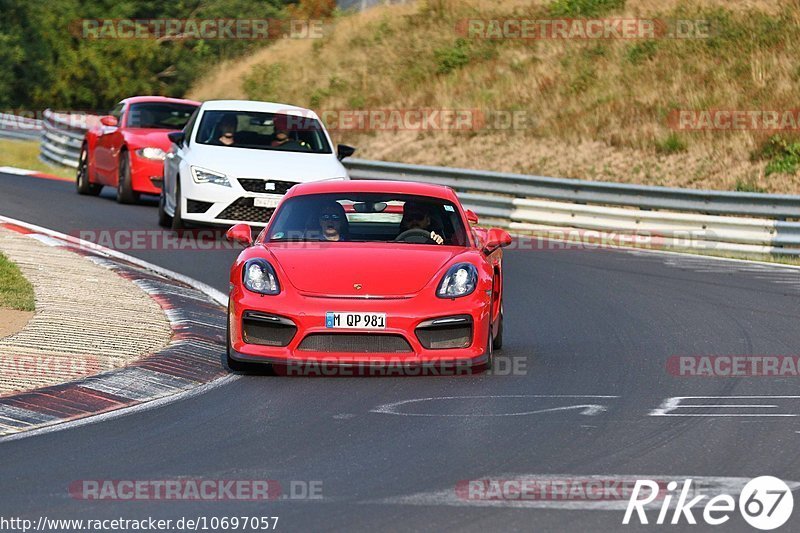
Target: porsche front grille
{"points": [[354, 343]]}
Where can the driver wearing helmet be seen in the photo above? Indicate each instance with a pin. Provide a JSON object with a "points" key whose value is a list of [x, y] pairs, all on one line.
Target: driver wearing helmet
{"points": [[417, 216]]}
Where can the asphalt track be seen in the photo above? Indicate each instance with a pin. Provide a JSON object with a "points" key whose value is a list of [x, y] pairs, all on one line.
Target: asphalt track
{"points": [[579, 323]]}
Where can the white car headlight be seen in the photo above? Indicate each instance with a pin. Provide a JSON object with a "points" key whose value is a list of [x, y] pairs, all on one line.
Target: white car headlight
{"points": [[151, 152], [460, 280], [259, 276], [203, 175]]}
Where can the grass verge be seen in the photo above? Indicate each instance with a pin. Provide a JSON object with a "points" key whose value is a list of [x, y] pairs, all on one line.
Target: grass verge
{"points": [[25, 154], [16, 292]]}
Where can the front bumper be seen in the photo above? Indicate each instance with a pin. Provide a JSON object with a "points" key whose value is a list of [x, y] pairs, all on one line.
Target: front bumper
{"points": [[403, 317], [146, 175], [211, 204]]}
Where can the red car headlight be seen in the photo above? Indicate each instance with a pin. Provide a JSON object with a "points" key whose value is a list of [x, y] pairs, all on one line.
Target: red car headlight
{"points": [[460, 280], [259, 276], [152, 153]]}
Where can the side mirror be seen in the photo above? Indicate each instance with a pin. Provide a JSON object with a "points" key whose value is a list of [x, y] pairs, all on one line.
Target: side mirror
{"points": [[240, 233], [344, 150], [109, 120], [176, 137], [497, 238], [472, 218]]}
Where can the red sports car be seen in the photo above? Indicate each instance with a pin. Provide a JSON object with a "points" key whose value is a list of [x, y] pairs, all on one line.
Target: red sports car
{"points": [[367, 274], [127, 149]]}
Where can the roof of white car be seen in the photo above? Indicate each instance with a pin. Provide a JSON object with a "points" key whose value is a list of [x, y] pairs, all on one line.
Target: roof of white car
{"points": [[263, 107]]}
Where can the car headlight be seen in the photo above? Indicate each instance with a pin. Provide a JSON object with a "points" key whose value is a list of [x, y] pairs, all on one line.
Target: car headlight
{"points": [[460, 280], [202, 175], [259, 276], [151, 152]]}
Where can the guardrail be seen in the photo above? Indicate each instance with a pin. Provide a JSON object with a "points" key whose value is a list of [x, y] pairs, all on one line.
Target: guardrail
{"points": [[63, 137], [542, 206], [580, 210], [16, 127]]}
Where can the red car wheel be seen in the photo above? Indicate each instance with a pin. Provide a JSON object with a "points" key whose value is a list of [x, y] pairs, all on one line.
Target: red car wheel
{"points": [[82, 182]]}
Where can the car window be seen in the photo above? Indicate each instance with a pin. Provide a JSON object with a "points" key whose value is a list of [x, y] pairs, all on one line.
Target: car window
{"points": [[116, 111], [368, 217], [263, 131], [187, 130], [159, 115]]}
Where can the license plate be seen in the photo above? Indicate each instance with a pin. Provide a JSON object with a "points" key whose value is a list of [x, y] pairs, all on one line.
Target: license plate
{"points": [[339, 320], [267, 201]]}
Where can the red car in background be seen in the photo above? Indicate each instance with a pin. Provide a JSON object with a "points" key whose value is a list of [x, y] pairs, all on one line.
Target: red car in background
{"points": [[127, 148]]}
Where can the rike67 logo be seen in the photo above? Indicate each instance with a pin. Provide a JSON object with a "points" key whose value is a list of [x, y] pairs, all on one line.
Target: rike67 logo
{"points": [[765, 503]]}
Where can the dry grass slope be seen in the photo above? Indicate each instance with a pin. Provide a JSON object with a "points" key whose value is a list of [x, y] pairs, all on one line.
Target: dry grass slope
{"points": [[600, 107]]}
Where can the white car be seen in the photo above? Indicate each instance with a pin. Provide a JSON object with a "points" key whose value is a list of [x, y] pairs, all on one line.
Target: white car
{"points": [[235, 159]]}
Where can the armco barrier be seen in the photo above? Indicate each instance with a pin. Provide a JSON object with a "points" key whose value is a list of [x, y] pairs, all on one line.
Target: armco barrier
{"points": [[16, 127], [725, 221], [63, 136]]}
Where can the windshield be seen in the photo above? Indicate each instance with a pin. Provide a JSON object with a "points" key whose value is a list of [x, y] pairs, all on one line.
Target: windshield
{"points": [[368, 217], [159, 115], [263, 131]]}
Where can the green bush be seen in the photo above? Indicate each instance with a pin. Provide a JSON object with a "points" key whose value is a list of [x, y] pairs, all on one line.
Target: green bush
{"points": [[263, 83], [747, 186], [453, 57], [49, 62], [641, 52], [671, 144], [584, 8], [783, 156]]}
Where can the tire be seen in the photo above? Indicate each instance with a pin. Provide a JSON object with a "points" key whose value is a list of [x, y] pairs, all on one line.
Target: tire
{"points": [[490, 350], [82, 183], [177, 221], [497, 343], [125, 192], [164, 220], [489, 346]]}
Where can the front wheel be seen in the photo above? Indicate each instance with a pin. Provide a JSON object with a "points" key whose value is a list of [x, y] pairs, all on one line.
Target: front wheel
{"points": [[125, 192], [82, 183], [489, 345], [497, 343]]}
